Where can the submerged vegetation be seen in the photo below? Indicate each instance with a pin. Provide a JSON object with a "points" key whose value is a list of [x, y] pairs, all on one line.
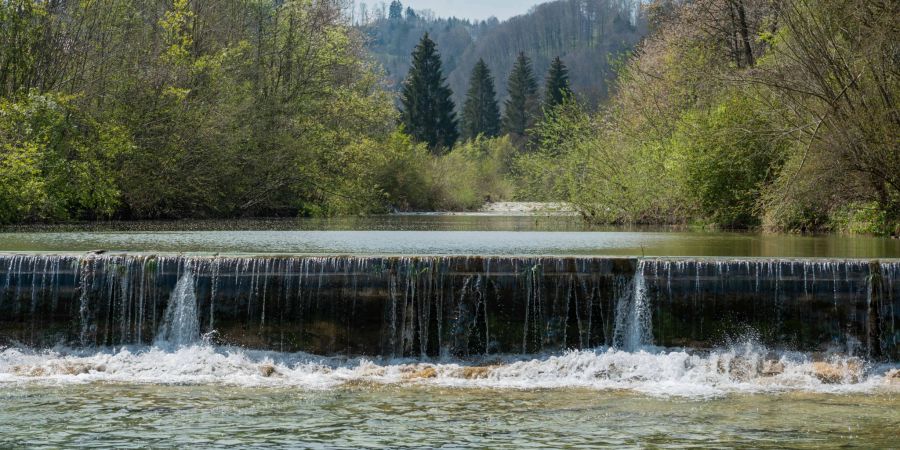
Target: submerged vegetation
{"points": [[730, 113]]}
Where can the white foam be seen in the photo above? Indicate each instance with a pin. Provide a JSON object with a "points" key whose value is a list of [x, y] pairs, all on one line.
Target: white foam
{"points": [[657, 372]]}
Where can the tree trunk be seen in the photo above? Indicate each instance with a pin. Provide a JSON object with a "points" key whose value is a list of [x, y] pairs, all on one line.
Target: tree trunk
{"points": [[745, 32]]}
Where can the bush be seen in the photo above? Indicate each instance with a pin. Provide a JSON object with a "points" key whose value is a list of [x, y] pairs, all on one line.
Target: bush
{"points": [[472, 174], [722, 159], [55, 163], [464, 179]]}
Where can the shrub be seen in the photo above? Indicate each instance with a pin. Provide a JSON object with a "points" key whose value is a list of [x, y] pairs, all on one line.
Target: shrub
{"points": [[55, 163]]}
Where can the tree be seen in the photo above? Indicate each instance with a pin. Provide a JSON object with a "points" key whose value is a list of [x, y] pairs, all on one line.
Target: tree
{"points": [[411, 14], [481, 114], [427, 108], [521, 107], [396, 10], [558, 88]]}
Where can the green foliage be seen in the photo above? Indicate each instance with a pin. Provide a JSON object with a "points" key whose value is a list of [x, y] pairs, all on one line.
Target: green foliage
{"points": [[428, 112], [795, 130], [521, 108], [55, 163], [722, 159], [481, 114], [228, 108], [21, 51], [557, 84], [475, 172], [583, 32], [863, 218], [587, 161]]}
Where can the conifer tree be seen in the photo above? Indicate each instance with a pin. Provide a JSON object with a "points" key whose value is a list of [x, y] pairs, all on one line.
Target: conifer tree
{"points": [[521, 108], [427, 110], [396, 10], [558, 88], [481, 114]]}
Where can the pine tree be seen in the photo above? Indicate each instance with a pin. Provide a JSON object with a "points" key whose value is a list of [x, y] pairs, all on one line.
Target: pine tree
{"points": [[396, 10], [521, 107], [481, 114], [558, 88], [427, 110]]}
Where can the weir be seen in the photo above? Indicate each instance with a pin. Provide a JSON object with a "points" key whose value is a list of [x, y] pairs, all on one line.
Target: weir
{"points": [[450, 305]]}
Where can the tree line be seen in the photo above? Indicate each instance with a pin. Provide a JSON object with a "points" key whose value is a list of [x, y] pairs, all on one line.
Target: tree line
{"points": [[588, 34], [428, 112], [730, 113], [138, 109], [739, 113]]}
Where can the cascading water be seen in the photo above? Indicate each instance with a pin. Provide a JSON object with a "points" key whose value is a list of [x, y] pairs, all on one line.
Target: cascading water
{"points": [[464, 321], [634, 323], [181, 324], [449, 306]]}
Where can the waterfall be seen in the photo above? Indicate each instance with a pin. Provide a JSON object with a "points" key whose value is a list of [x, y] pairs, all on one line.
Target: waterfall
{"points": [[448, 305], [634, 323], [181, 325]]}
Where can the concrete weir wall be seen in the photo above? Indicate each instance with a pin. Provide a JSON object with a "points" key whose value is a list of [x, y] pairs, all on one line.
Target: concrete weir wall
{"points": [[461, 306]]}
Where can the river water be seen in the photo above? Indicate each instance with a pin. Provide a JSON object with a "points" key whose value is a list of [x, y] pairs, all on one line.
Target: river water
{"points": [[205, 396], [185, 388], [140, 416], [434, 235]]}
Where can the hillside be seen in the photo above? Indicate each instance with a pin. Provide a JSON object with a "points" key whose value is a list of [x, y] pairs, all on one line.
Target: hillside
{"points": [[586, 34]]}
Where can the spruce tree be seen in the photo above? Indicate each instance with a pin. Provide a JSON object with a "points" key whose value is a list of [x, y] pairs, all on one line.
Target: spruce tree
{"points": [[395, 12], [481, 114], [521, 107], [427, 110], [558, 88]]}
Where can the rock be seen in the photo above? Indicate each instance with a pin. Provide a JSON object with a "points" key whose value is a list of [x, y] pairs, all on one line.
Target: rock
{"points": [[267, 370], [473, 373], [772, 368], [75, 368], [827, 372], [741, 369], [57, 368], [427, 372], [29, 371], [833, 373], [892, 377], [737, 368]]}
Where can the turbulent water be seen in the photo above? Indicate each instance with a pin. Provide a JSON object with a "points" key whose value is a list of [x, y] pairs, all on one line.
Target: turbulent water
{"points": [[446, 351], [656, 372]]}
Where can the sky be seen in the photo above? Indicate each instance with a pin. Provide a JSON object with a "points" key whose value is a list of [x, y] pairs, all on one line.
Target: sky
{"points": [[474, 9]]}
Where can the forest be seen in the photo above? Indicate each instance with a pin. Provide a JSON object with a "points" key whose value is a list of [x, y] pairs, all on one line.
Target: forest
{"points": [[723, 113], [739, 113], [589, 35]]}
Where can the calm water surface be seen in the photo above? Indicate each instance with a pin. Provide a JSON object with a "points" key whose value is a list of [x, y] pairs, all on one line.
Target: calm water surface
{"points": [[123, 416], [433, 235]]}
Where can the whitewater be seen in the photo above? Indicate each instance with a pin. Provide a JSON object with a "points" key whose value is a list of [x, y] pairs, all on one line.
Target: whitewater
{"points": [[650, 371]]}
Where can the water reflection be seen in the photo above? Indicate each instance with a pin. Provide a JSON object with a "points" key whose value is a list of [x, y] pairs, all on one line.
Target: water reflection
{"points": [[433, 235]]}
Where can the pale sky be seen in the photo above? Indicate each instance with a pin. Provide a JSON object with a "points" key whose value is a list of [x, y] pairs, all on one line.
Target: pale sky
{"points": [[474, 9]]}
